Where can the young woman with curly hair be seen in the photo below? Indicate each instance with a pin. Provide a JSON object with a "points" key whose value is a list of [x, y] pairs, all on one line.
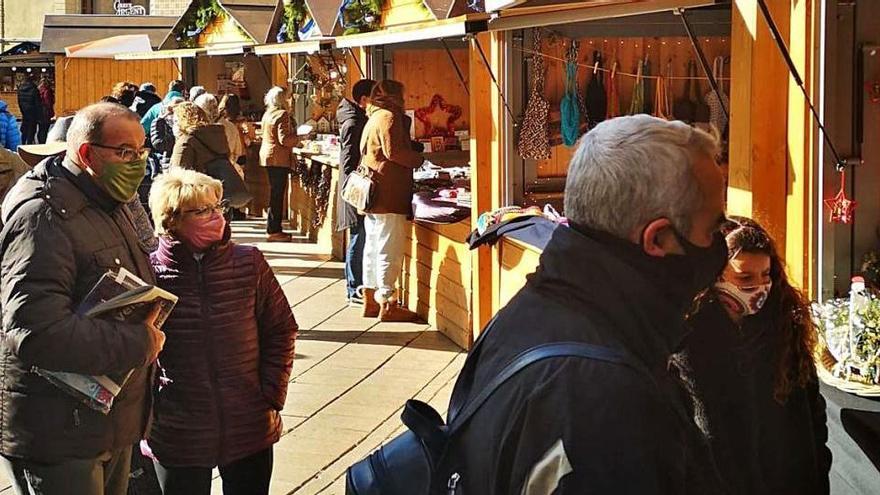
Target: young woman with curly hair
{"points": [[749, 363], [198, 140]]}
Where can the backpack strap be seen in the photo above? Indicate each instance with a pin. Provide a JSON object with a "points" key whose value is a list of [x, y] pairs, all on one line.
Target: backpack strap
{"points": [[532, 356]]}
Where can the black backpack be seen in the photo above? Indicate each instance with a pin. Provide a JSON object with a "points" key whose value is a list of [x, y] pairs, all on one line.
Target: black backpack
{"points": [[411, 464]]}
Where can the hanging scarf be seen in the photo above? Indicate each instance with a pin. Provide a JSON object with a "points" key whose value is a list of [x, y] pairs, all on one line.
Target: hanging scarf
{"points": [[716, 114], [662, 105], [597, 102], [612, 93], [571, 115], [534, 137], [638, 100]]}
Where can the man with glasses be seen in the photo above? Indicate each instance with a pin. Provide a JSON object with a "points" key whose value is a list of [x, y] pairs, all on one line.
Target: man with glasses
{"points": [[67, 223]]}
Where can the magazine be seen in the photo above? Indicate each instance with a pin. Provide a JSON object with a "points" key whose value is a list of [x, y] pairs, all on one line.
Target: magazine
{"points": [[120, 296]]}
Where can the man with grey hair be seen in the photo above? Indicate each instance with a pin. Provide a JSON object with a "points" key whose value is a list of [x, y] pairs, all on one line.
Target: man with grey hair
{"points": [[66, 223], [644, 201]]}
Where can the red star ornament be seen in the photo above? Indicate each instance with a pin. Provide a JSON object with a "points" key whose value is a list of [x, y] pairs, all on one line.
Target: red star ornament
{"points": [[452, 112], [842, 208]]}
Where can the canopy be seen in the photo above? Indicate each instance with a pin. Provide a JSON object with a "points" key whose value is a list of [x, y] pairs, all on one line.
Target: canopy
{"points": [[110, 47]]}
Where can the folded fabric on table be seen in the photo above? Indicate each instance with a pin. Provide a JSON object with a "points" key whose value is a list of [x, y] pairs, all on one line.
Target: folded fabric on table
{"points": [[430, 207]]}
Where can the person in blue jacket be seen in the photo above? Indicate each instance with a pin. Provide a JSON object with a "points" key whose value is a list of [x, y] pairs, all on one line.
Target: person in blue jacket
{"points": [[10, 134]]}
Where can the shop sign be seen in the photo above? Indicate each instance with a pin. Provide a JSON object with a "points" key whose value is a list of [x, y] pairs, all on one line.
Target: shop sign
{"points": [[128, 8]]}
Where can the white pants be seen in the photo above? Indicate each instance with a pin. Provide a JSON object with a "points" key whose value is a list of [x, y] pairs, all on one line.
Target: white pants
{"points": [[383, 252]]}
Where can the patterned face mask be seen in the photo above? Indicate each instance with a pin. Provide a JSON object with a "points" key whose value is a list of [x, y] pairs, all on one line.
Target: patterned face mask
{"points": [[744, 301]]}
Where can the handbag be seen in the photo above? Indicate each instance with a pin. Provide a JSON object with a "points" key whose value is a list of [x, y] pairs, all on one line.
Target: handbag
{"points": [[359, 189], [235, 191], [410, 464], [534, 136]]}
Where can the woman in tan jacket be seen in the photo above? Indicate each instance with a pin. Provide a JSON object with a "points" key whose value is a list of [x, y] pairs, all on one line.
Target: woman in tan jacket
{"points": [[279, 138], [387, 152]]}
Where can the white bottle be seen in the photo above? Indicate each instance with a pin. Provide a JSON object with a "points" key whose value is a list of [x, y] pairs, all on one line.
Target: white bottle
{"points": [[858, 301]]}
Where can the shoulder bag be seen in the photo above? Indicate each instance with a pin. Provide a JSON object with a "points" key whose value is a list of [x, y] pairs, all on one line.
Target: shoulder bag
{"points": [[359, 189], [235, 190]]}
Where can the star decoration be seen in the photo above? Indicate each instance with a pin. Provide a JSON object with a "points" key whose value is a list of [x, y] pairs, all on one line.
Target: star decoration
{"points": [[842, 208], [438, 127]]}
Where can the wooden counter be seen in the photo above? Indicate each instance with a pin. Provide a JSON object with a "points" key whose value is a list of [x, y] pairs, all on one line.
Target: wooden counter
{"points": [[437, 278], [318, 226], [518, 260]]}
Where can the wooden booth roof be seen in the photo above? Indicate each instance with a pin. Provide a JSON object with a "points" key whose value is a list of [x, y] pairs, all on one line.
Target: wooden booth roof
{"points": [[60, 31], [324, 12], [258, 19]]}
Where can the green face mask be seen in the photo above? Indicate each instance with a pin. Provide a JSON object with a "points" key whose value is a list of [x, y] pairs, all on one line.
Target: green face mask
{"points": [[121, 180]]}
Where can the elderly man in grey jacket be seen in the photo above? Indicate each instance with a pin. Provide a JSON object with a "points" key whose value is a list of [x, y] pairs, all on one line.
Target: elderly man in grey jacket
{"points": [[66, 223]]}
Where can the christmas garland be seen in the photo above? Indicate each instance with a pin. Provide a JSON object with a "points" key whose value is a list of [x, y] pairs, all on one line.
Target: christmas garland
{"points": [[294, 15], [360, 16], [195, 21], [316, 181]]}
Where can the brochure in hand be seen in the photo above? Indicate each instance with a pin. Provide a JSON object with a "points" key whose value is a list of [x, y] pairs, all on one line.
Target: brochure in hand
{"points": [[117, 296]]}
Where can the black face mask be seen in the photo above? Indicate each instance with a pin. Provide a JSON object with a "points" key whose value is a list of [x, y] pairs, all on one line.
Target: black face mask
{"points": [[699, 267]]}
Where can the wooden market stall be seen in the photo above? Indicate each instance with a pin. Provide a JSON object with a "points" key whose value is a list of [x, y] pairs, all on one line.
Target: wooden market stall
{"points": [[503, 177], [82, 81], [19, 62], [424, 51]]}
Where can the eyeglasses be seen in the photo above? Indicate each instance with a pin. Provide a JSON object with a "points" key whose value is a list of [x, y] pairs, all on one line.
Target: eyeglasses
{"points": [[206, 211], [127, 154]]}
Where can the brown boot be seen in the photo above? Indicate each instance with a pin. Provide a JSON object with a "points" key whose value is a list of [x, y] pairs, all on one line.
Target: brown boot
{"points": [[371, 307], [393, 312]]}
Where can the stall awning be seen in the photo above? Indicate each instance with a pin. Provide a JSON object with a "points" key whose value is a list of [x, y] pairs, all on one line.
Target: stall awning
{"points": [[420, 31], [309, 46], [527, 17], [60, 31], [109, 47], [161, 54]]}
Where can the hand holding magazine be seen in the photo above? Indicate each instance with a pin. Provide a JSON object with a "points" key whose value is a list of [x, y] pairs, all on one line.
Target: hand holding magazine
{"points": [[117, 296]]}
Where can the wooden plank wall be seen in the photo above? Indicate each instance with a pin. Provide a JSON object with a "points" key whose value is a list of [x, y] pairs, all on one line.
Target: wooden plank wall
{"points": [[426, 72], [628, 52], [301, 213], [437, 278], [82, 81], [517, 262]]}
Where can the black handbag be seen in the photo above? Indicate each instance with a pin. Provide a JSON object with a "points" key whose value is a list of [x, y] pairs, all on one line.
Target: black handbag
{"points": [[410, 464]]}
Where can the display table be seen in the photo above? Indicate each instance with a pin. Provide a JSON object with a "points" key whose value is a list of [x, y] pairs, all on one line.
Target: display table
{"points": [[312, 200], [854, 440]]}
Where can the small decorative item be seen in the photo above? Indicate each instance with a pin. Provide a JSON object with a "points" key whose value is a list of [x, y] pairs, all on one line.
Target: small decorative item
{"points": [[439, 117], [842, 208], [873, 89], [438, 143]]}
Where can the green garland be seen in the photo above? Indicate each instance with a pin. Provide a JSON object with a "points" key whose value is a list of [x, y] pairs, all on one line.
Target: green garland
{"points": [[197, 18], [362, 16], [294, 15]]}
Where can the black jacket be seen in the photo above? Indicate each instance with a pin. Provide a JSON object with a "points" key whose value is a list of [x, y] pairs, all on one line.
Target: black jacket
{"points": [[162, 140], [760, 446], [352, 120], [623, 431], [144, 101], [60, 235], [29, 101]]}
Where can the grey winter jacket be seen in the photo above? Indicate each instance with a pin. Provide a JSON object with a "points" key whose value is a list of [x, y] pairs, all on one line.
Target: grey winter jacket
{"points": [[60, 235]]}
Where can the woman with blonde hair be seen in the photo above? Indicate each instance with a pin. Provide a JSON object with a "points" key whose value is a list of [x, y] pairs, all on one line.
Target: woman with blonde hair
{"points": [[276, 155], [229, 349], [386, 150], [198, 140]]}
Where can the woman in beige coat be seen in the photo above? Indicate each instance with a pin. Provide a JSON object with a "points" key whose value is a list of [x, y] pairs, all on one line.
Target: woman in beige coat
{"points": [[276, 155]]}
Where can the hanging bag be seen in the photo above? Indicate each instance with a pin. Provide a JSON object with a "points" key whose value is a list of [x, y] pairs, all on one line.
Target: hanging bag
{"points": [[411, 464], [534, 138], [702, 114], [716, 112]]}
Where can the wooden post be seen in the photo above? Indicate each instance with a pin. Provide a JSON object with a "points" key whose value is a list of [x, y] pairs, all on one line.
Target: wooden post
{"points": [[487, 166]]}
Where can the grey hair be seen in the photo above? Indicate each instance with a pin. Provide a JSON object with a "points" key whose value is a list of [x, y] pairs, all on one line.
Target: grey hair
{"points": [[275, 98], [88, 124], [631, 170], [210, 105], [196, 91]]}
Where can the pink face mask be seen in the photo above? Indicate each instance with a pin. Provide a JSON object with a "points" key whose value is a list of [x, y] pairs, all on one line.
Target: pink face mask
{"points": [[202, 233]]}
